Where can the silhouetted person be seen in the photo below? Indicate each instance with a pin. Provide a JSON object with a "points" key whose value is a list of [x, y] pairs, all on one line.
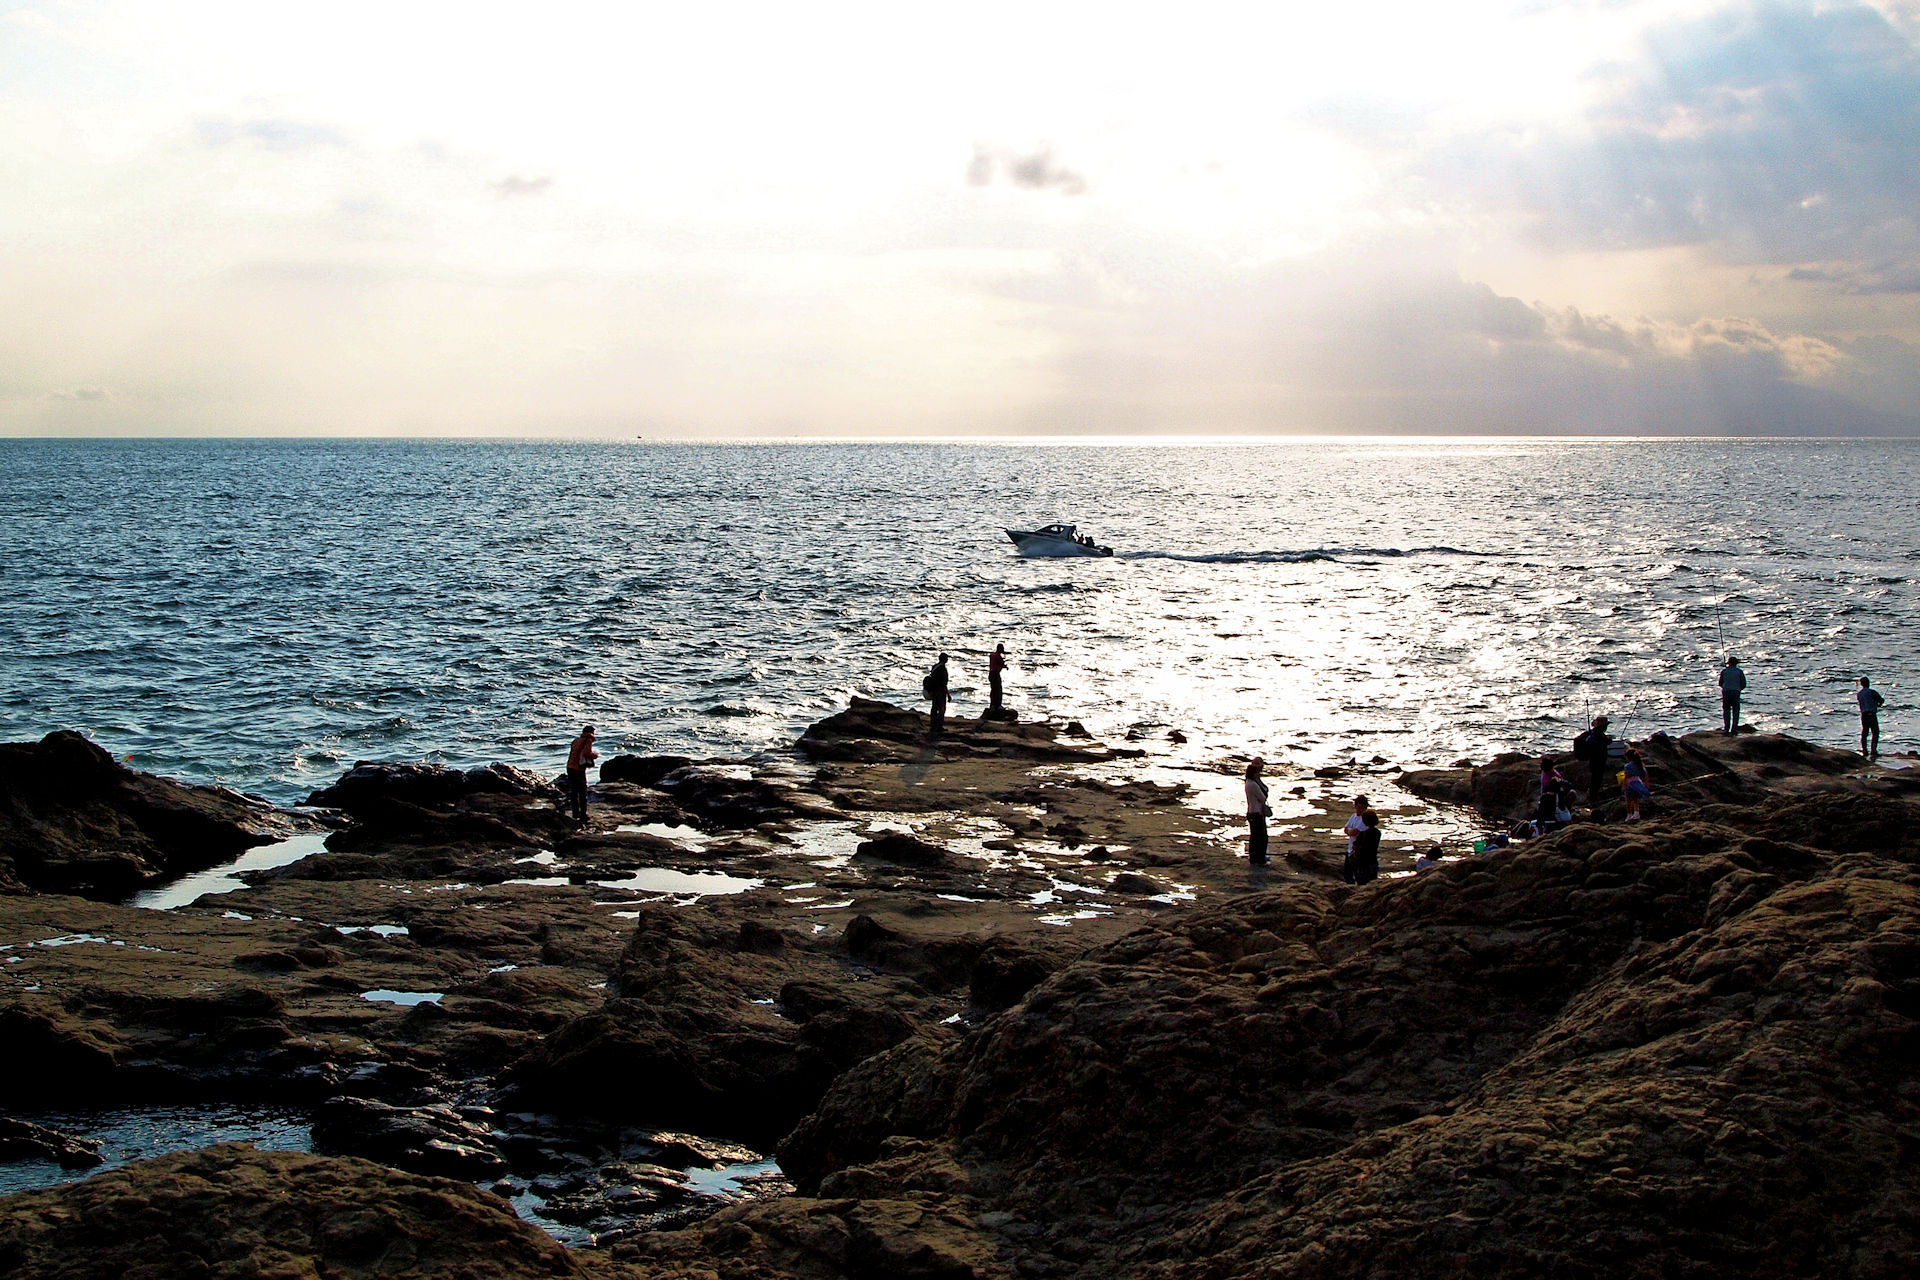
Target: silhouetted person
{"points": [[935, 687], [1553, 797], [1870, 703], [995, 665], [1591, 747], [1363, 864], [1733, 682], [1258, 811], [579, 759]]}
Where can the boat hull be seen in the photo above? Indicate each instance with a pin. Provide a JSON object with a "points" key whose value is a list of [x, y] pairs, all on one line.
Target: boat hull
{"points": [[1045, 545]]}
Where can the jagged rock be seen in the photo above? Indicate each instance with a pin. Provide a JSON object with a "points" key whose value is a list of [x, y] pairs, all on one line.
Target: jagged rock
{"points": [[407, 802], [643, 771], [232, 1211], [432, 1140], [907, 850], [718, 798], [23, 1140], [75, 820], [869, 731], [684, 1043], [1006, 969], [1683, 1047]]}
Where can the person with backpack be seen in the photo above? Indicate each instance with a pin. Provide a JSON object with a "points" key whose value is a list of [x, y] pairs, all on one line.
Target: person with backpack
{"points": [[1870, 701], [1733, 682], [934, 685], [1591, 747]]}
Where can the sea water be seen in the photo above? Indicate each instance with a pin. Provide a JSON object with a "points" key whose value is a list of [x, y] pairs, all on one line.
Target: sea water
{"points": [[265, 613]]}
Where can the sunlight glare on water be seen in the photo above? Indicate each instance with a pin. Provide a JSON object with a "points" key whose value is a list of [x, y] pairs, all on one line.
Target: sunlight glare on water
{"points": [[264, 613]]}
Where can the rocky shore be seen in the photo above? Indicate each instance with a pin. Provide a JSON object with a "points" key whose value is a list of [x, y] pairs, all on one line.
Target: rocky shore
{"points": [[1010, 1003]]}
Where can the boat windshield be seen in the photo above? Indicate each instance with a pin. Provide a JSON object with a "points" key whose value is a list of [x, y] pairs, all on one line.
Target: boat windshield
{"points": [[1059, 530]]}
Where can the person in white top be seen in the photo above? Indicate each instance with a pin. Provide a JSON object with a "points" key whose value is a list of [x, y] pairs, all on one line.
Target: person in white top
{"points": [[1257, 813], [1357, 823]]}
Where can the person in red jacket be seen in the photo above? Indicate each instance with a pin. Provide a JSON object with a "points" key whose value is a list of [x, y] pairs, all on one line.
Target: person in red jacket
{"points": [[579, 759]]}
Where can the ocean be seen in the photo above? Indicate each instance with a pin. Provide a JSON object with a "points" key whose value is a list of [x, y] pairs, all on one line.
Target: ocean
{"points": [[265, 613]]}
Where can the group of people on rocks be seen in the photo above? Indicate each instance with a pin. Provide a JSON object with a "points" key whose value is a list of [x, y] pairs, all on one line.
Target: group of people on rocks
{"points": [[934, 687], [1362, 830]]}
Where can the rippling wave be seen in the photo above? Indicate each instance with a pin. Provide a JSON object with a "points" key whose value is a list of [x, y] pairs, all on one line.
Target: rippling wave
{"points": [[264, 613]]}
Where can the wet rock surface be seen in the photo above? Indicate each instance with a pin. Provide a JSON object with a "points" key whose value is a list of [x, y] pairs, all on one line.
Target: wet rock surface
{"points": [[1005, 1013], [233, 1211], [75, 820]]}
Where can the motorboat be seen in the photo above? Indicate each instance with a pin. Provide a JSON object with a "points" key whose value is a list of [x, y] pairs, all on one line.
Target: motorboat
{"points": [[1056, 540]]}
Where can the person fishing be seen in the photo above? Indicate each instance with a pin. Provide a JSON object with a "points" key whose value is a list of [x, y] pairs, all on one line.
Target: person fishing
{"points": [[934, 685], [1258, 811], [1870, 700], [580, 758], [1733, 682], [1591, 747], [996, 664]]}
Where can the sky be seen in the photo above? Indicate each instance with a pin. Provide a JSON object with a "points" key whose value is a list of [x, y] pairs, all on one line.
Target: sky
{"points": [[745, 219]]}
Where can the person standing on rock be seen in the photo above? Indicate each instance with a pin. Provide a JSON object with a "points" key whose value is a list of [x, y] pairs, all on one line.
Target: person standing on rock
{"points": [[1733, 682], [1258, 811], [1363, 864], [1357, 823], [580, 758], [1870, 701], [995, 665], [1591, 747], [934, 685], [1633, 784]]}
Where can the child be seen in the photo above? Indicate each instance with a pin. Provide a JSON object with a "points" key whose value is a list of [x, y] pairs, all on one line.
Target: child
{"points": [[1633, 784]]}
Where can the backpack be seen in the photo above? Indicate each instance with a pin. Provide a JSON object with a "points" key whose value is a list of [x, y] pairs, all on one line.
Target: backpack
{"points": [[1584, 747], [926, 685]]}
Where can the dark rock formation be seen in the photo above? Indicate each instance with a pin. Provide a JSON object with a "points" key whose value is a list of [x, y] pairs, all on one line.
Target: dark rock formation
{"points": [[870, 731], [719, 799], [642, 771], [412, 803], [713, 1030], [1681, 1048], [75, 820], [234, 1211], [23, 1140], [433, 1140], [898, 847]]}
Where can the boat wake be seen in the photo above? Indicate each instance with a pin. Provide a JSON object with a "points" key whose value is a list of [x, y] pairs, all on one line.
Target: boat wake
{"points": [[1296, 557]]}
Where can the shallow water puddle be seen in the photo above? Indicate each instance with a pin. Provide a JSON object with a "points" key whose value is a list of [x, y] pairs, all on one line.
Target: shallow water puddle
{"points": [[226, 878], [659, 880], [128, 1134], [408, 998]]}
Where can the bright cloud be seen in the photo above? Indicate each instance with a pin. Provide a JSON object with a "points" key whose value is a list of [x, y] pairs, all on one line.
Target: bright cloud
{"points": [[758, 218]]}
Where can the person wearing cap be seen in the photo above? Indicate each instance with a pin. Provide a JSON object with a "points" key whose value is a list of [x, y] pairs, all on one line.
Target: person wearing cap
{"points": [[1733, 682]]}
